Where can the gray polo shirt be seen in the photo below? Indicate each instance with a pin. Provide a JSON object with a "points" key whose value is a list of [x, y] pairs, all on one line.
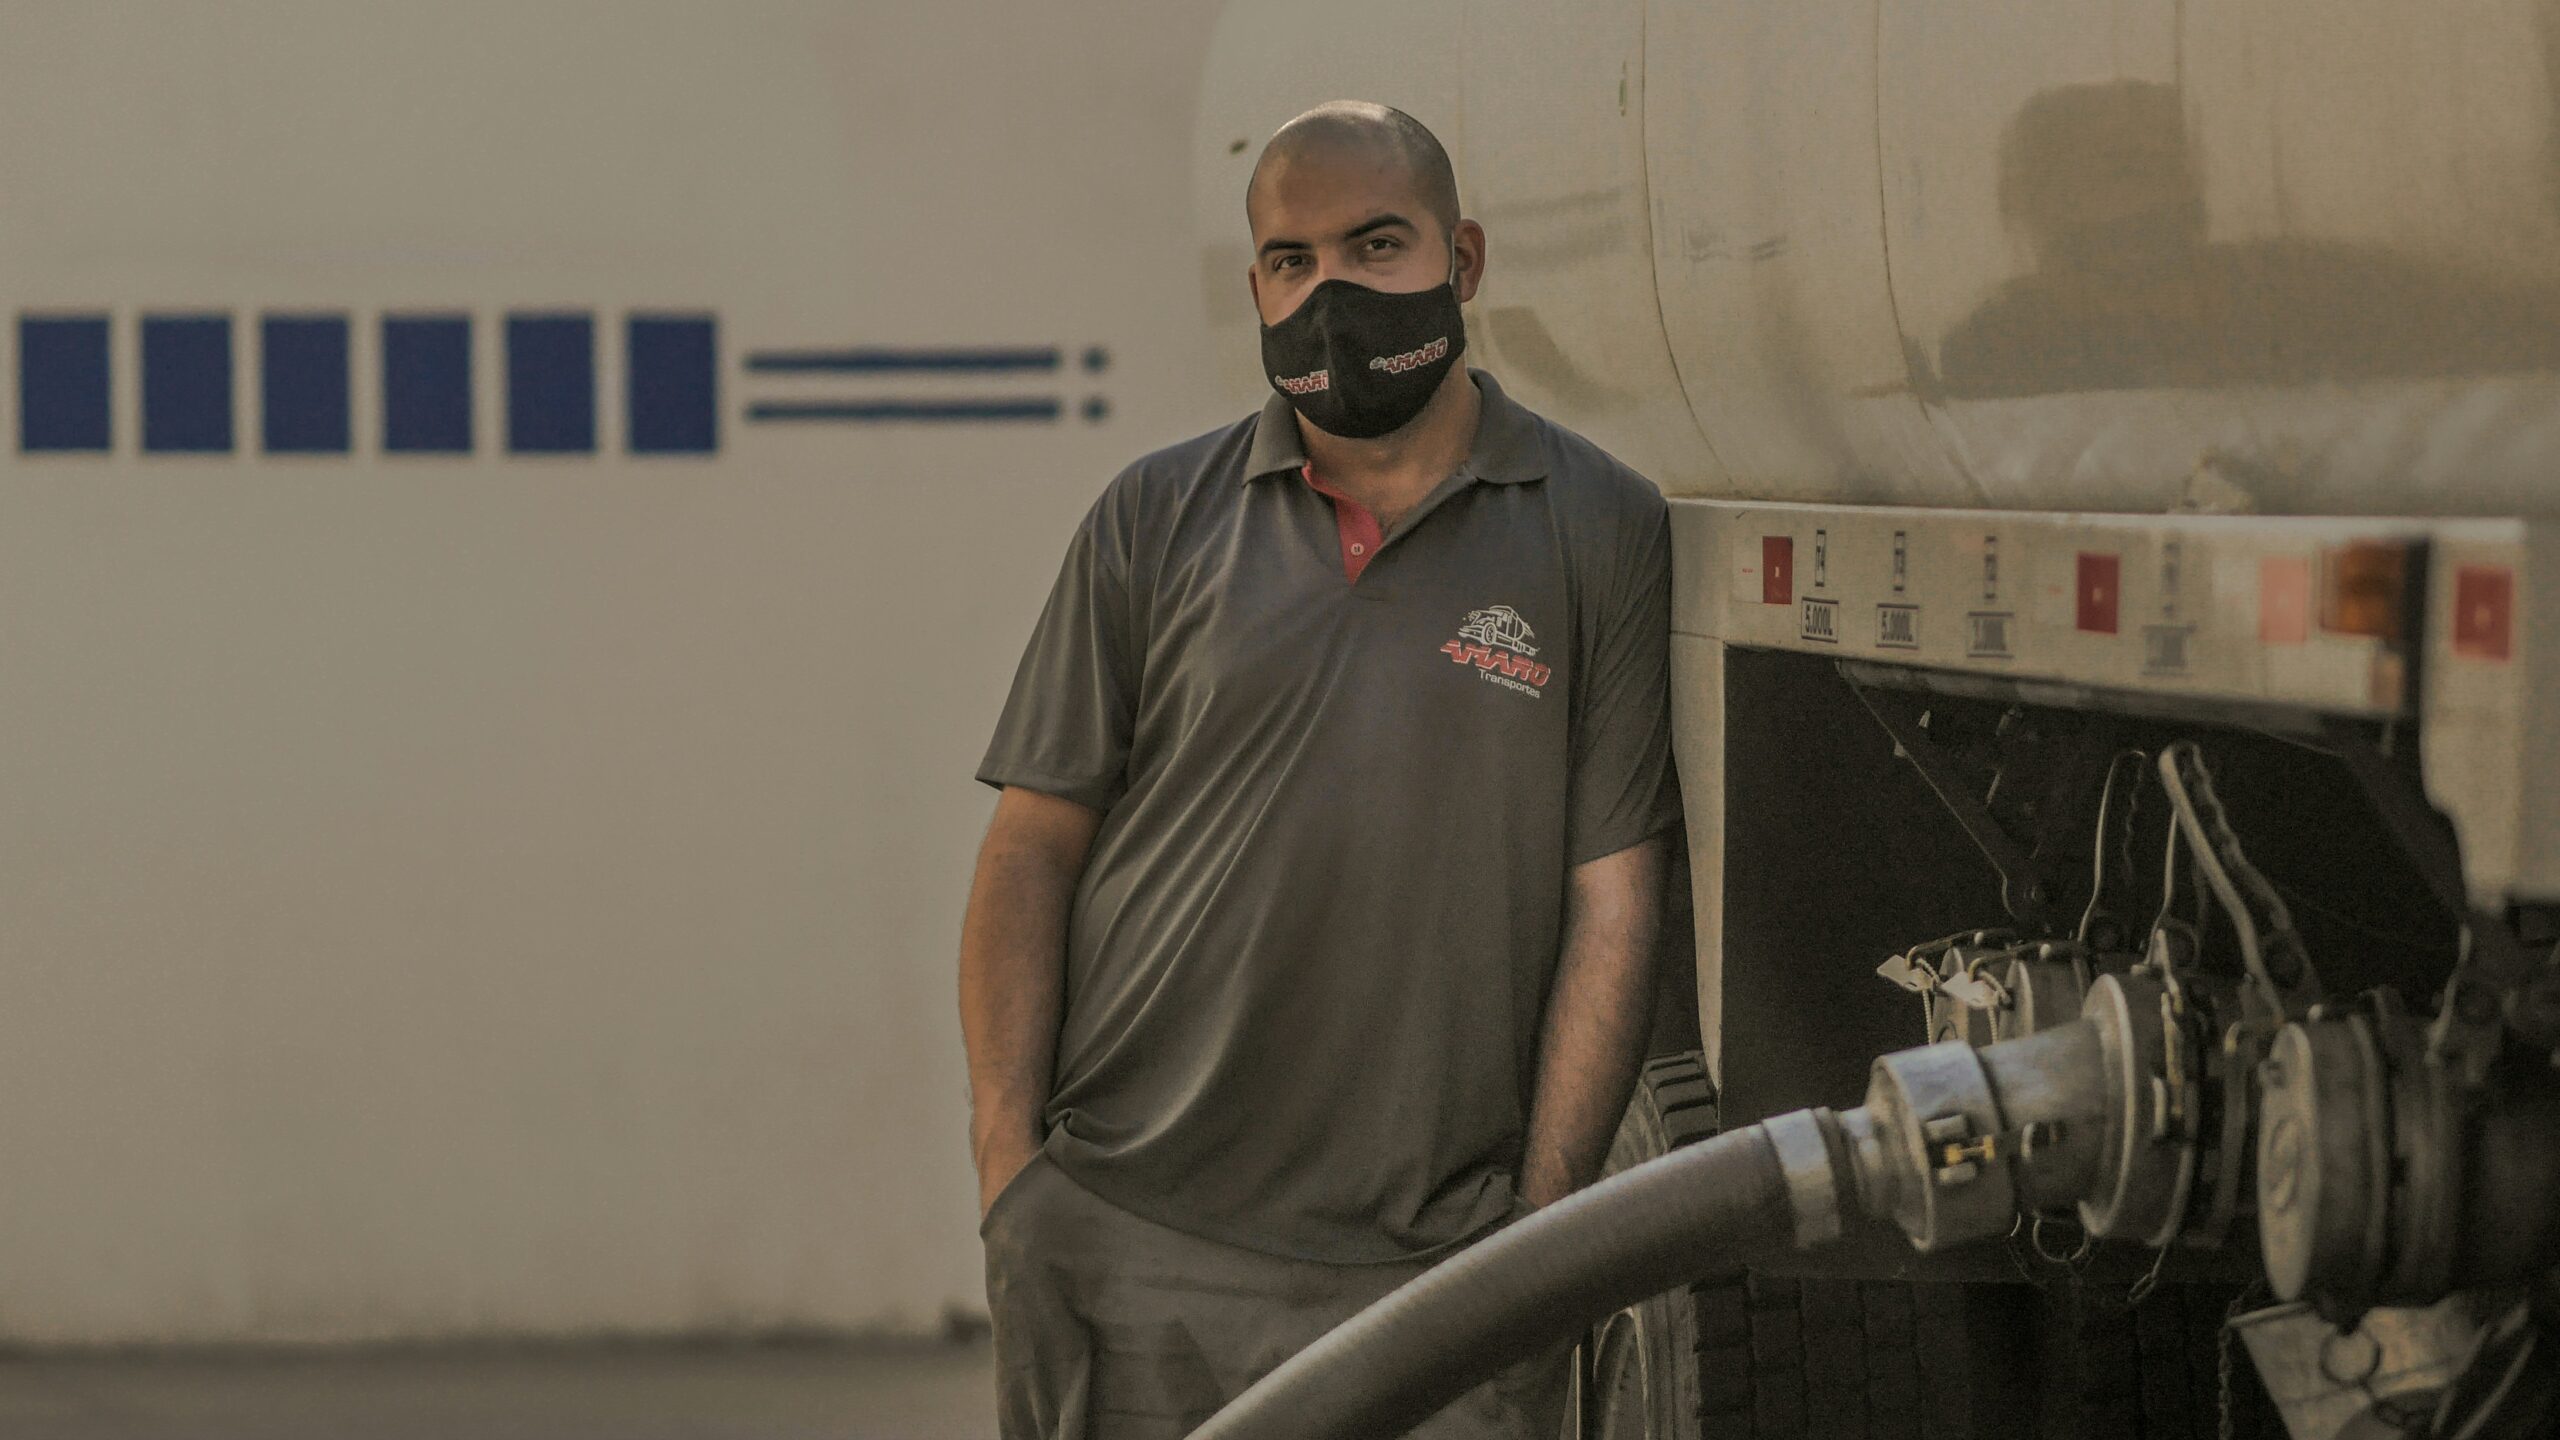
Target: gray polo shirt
{"points": [[1311, 948]]}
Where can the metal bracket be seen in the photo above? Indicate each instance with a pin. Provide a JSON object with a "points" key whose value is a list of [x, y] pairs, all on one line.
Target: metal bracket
{"points": [[1951, 972], [2494, 964], [2023, 892]]}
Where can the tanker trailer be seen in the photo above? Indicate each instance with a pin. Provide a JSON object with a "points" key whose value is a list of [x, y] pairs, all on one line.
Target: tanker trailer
{"points": [[2116, 645]]}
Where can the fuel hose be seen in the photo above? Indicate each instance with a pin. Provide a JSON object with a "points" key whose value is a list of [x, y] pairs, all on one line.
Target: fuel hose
{"points": [[1703, 1209]]}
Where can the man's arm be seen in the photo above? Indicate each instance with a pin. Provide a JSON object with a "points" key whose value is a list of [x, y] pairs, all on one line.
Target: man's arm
{"points": [[1599, 1011], [1013, 947]]}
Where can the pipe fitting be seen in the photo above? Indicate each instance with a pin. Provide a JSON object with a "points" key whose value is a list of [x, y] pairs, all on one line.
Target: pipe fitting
{"points": [[2150, 1095], [1942, 1175], [1954, 1141], [1811, 1154]]}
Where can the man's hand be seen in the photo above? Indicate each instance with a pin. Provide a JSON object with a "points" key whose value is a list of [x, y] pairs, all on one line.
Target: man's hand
{"points": [[1013, 966], [999, 1167], [1599, 1010]]}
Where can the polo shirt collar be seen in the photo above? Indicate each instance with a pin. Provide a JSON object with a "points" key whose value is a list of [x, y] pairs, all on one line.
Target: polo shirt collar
{"points": [[1506, 449]]}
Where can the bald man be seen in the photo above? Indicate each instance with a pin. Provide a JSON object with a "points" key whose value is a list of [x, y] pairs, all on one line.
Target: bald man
{"points": [[1311, 939]]}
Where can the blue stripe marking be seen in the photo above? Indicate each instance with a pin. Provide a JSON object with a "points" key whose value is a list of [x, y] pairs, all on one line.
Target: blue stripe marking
{"points": [[861, 411], [672, 379], [62, 383], [877, 361], [551, 384], [186, 384], [426, 384], [302, 367]]}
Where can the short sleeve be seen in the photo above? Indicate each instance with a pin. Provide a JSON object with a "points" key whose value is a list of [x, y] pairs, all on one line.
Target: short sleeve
{"points": [[1621, 791], [1066, 726]]}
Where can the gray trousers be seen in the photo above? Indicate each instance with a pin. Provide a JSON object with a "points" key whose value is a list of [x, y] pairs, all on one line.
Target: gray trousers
{"points": [[1112, 1327]]}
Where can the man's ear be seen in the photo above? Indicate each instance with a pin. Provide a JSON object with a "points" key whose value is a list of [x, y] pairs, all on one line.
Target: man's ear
{"points": [[1468, 239]]}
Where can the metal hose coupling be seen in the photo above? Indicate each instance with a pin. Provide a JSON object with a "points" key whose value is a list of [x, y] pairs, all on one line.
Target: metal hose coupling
{"points": [[1954, 1141], [1815, 1150]]}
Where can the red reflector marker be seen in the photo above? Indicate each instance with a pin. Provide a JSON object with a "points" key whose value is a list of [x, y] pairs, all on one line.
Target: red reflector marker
{"points": [[1777, 570], [2484, 598], [2284, 599], [2101, 588]]}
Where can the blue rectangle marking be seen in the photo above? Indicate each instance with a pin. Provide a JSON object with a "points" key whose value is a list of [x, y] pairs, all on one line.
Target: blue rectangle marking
{"points": [[876, 360], [63, 384], [671, 366], [302, 384], [426, 384], [186, 384], [551, 384], [862, 411]]}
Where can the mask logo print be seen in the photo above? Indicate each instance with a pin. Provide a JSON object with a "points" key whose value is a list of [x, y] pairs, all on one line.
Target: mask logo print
{"points": [[1497, 642], [1398, 364], [1360, 362]]}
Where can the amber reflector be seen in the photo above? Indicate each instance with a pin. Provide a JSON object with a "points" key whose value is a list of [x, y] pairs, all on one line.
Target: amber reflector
{"points": [[2363, 588]]}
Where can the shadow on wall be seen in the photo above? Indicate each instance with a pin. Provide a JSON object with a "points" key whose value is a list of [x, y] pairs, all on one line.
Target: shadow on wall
{"points": [[2104, 184]]}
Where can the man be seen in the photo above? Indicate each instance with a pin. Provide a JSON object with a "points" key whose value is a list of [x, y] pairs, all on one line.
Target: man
{"points": [[1311, 938]]}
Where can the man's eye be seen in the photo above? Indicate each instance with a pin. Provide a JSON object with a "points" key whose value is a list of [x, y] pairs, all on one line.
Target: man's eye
{"points": [[1385, 240]]}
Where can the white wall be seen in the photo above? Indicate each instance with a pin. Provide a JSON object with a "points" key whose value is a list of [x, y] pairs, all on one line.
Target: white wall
{"points": [[504, 895]]}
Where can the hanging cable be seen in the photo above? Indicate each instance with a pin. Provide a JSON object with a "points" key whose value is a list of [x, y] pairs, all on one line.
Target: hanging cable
{"points": [[2098, 859]]}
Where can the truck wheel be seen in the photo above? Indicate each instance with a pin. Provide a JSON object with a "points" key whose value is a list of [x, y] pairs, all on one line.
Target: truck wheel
{"points": [[1746, 1355], [2158, 1370], [1642, 1379]]}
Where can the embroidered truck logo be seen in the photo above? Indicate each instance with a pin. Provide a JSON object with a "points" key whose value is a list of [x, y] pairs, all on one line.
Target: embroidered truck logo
{"points": [[1307, 384], [1398, 364], [1501, 626], [1497, 642]]}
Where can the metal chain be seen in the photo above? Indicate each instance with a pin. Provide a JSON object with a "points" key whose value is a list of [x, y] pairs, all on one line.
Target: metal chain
{"points": [[2072, 1266], [2018, 1262], [2140, 1290], [2223, 1344], [2443, 1036], [2077, 1259], [2274, 958], [2227, 1344]]}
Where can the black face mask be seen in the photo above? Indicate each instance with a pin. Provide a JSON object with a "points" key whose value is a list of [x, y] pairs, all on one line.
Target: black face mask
{"points": [[1359, 362]]}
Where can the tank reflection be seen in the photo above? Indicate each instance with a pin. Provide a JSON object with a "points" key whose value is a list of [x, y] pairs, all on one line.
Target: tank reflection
{"points": [[2102, 182]]}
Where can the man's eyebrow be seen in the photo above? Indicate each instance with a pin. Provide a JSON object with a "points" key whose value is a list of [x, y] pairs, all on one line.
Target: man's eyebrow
{"points": [[1355, 232], [1381, 223]]}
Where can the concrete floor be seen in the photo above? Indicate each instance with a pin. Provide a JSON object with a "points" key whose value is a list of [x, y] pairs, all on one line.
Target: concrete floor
{"points": [[878, 1392]]}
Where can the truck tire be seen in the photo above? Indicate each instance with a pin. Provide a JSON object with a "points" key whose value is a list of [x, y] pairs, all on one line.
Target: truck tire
{"points": [[1754, 1357], [2161, 1369], [1641, 1378]]}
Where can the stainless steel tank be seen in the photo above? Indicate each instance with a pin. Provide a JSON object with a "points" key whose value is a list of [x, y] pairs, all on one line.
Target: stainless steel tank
{"points": [[2297, 256]]}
